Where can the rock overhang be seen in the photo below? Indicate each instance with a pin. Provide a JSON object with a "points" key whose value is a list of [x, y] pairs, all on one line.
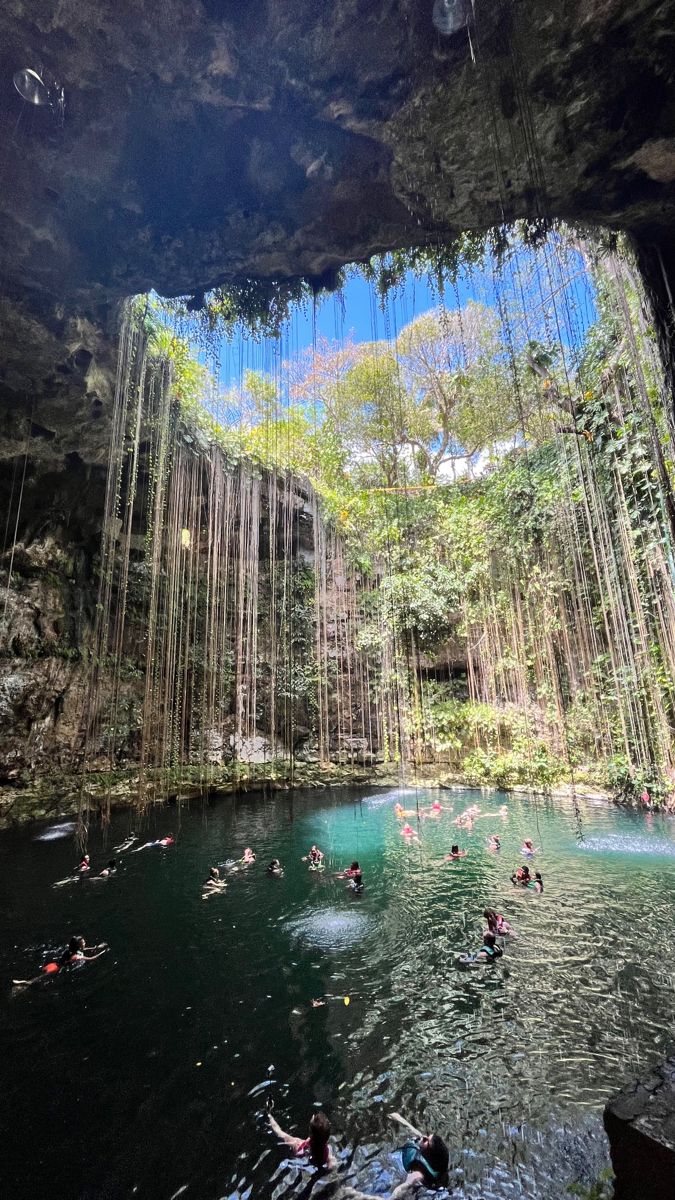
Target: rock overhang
{"points": [[206, 141]]}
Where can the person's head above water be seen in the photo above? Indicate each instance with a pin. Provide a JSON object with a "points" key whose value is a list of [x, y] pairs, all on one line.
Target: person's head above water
{"points": [[76, 944], [453, 849], [319, 1133], [355, 866], [490, 939], [491, 917], [430, 1158], [214, 873]]}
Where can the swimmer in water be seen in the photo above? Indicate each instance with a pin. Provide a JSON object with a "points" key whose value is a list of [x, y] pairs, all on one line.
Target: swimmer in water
{"points": [[497, 923], [76, 952], [494, 843], [316, 1147], [425, 1160], [213, 885], [521, 877], [275, 868], [434, 812], [536, 884], [167, 840], [528, 848], [355, 879], [315, 857], [455, 853], [489, 951], [111, 869], [348, 872], [126, 844], [84, 866], [409, 832], [401, 813], [248, 858]]}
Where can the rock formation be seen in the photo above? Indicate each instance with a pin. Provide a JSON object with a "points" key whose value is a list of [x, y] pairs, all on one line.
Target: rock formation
{"points": [[208, 140]]}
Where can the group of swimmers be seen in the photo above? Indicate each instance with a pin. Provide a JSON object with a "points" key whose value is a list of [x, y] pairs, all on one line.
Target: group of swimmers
{"points": [[215, 883], [497, 925], [425, 1156], [77, 953]]}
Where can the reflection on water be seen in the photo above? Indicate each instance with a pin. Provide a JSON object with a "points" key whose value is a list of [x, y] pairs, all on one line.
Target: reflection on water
{"points": [[64, 830], [149, 1073], [330, 928], [629, 844]]}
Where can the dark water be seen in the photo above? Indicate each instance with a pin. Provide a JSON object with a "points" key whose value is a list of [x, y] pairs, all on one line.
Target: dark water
{"points": [[149, 1071]]}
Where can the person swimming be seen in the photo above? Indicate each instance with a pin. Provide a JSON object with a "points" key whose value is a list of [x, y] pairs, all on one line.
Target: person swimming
{"points": [[213, 884], [455, 853], [128, 841], [489, 951], [497, 923], [536, 884], [356, 879], [410, 833], [316, 1147], [275, 868], [84, 866], [434, 811], [521, 877], [248, 858], [76, 952], [314, 858], [425, 1159], [167, 840], [494, 842], [111, 869], [401, 813], [528, 848]]}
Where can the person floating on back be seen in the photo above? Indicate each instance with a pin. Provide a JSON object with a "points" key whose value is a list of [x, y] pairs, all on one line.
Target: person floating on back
{"points": [[167, 840], [316, 1147], [128, 841]]}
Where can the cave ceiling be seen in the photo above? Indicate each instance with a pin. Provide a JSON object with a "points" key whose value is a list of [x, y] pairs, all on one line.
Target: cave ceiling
{"points": [[205, 140]]}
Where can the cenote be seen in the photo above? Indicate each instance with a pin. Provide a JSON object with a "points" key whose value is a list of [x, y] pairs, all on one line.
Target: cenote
{"points": [[149, 1073]]}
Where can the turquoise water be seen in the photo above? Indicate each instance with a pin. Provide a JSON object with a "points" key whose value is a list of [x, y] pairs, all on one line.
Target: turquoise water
{"points": [[150, 1070]]}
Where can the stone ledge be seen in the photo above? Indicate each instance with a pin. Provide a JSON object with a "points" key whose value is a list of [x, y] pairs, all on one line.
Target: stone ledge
{"points": [[640, 1125]]}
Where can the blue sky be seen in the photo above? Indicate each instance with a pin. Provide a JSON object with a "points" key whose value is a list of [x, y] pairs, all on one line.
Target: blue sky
{"points": [[527, 283]]}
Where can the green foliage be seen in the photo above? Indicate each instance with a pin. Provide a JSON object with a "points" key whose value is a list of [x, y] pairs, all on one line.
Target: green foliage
{"points": [[602, 1188], [530, 763]]}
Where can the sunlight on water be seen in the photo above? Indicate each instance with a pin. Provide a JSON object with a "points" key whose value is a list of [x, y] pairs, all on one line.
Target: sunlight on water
{"points": [[160, 1054], [330, 929]]}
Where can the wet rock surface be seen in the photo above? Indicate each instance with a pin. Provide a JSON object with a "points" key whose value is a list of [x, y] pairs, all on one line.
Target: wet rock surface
{"points": [[640, 1124]]}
